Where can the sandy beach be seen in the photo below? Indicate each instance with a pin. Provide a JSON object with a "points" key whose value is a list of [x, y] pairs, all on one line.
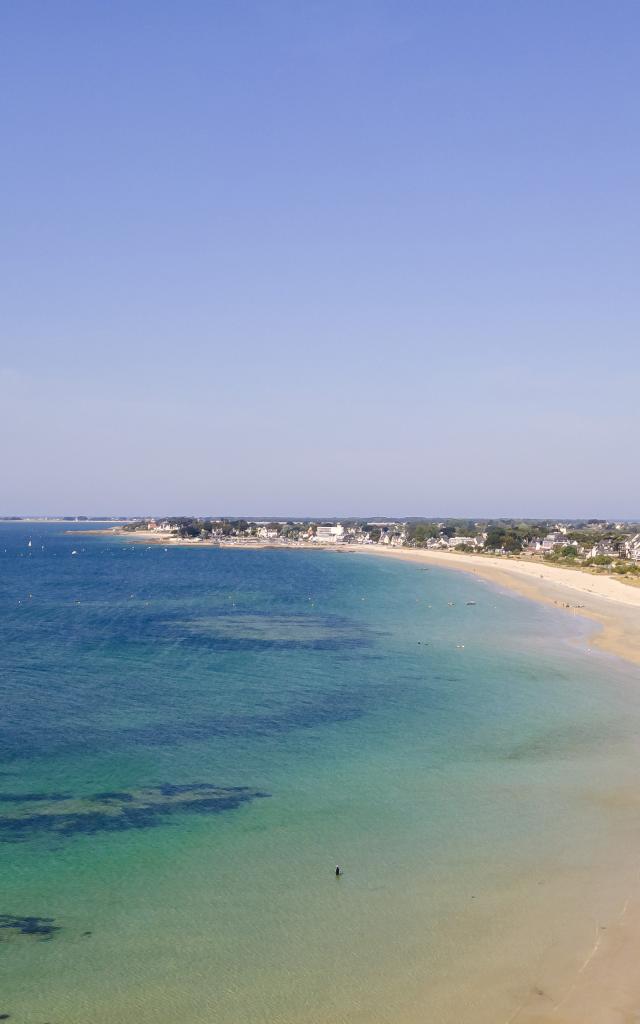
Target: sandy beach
{"points": [[614, 606], [603, 987]]}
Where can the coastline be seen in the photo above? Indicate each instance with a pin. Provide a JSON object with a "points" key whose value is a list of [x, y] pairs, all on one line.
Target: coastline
{"points": [[605, 988], [612, 605], [600, 986]]}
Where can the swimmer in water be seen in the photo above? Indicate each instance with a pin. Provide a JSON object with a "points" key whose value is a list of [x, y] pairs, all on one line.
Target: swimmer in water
{"points": [[338, 871]]}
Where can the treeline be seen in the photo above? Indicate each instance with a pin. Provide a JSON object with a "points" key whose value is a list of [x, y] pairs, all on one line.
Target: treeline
{"points": [[509, 535]]}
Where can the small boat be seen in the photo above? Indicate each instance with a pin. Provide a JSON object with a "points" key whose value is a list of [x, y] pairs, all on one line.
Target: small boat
{"points": [[471, 602]]}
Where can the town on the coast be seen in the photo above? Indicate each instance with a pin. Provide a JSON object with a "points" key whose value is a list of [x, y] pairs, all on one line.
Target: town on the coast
{"points": [[598, 545]]}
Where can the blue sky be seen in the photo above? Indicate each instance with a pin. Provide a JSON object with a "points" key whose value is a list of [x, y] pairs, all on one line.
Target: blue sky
{"points": [[320, 258]]}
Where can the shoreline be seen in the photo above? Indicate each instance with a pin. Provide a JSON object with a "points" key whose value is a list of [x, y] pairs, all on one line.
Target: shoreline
{"points": [[604, 988], [601, 987], [612, 605]]}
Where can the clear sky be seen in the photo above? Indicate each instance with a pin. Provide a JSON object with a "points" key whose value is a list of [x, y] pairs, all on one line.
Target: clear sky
{"points": [[340, 257]]}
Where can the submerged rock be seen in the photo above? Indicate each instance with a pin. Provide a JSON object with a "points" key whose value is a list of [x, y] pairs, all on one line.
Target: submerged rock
{"points": [[23, 798], [41, 928], [114, 811]]}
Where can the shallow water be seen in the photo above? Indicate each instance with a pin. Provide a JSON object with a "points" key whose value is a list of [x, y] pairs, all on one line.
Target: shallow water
{"points": [[191, 739]]}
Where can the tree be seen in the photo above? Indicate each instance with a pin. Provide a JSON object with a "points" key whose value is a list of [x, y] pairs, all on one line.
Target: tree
{"points": [[568, 551], [512, 542], [499, 538], [495, 537], [599, 560], [419, 533]]}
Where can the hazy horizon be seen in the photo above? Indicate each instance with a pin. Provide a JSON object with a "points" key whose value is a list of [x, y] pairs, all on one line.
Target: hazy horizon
{"points": [[320, 256], [284, 516]]}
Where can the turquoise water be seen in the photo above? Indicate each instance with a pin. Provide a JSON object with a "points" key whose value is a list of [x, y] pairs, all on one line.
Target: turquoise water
{"points": [[254, 718]]}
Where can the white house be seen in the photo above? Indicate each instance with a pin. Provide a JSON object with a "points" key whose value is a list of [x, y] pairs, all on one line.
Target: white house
{"points": [[266, 533], [330, 534], [553, 540], [633, 548]]}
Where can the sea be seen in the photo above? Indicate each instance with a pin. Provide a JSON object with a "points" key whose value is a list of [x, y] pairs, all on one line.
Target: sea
{"points": [[191, 739]]}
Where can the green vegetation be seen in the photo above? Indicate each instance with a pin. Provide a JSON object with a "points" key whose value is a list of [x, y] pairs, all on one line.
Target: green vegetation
{"points": [[595, 544], [419, 533], [569, 551], [502, 538], [627, 569], [599, 560]]}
